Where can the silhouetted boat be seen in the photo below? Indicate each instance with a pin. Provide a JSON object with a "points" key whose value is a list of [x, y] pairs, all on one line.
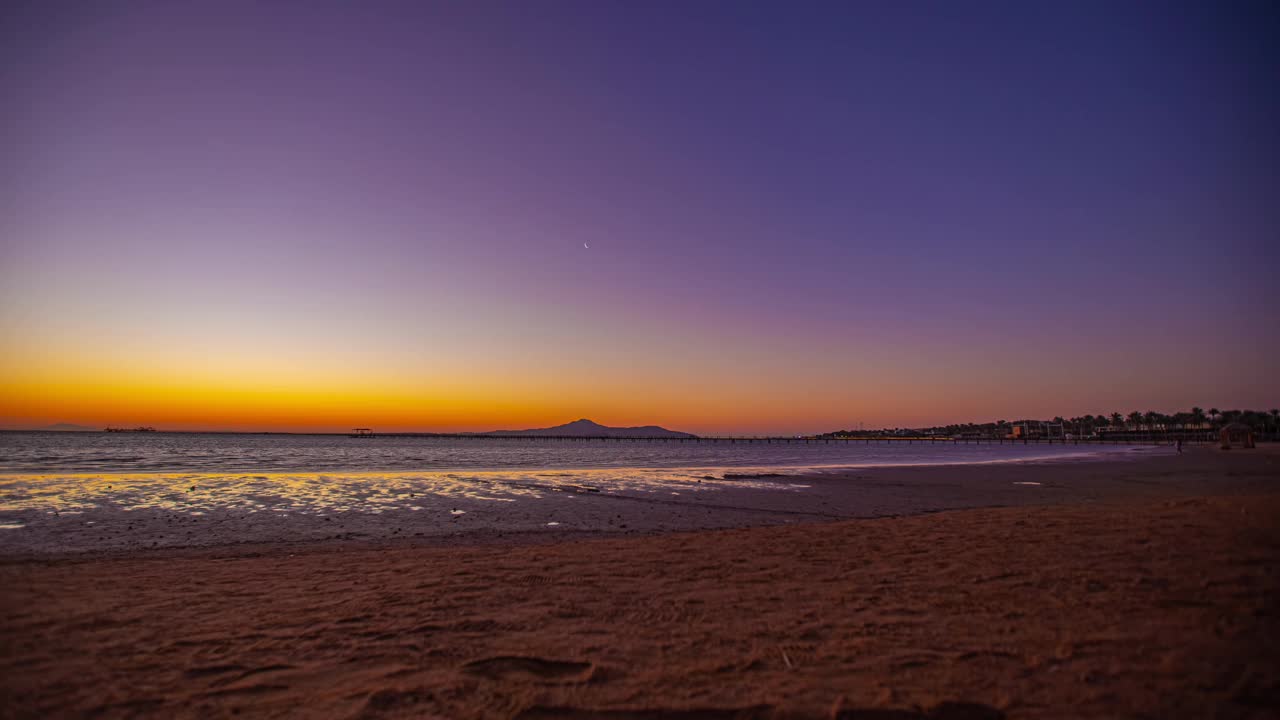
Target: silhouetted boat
{"points": [[137, 429]]}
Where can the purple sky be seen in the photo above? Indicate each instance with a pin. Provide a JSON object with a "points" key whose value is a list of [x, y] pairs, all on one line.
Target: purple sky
{"points": [[826, 212]]}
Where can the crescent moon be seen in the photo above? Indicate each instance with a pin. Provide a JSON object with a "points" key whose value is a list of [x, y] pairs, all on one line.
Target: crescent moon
{"points": [[586, 246]]}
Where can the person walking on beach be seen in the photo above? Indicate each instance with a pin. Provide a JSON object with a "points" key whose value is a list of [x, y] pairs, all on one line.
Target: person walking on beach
{"points": [[1177, 444]]}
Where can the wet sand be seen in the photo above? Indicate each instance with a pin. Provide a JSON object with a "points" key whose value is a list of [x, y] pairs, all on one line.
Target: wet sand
{"points": [[125, 514], [1141, 589]]}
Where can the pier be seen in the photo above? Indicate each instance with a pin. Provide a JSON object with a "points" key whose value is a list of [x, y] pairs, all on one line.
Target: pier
{"points": [[1155, 439]]}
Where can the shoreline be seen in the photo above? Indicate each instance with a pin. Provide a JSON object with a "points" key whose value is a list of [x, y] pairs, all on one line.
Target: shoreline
{"points": [[563, 506]]}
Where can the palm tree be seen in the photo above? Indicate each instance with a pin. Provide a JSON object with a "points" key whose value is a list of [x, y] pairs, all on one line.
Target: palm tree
{"points": [[1214, 414], [1275, 419], [1135, 418], [1116, 419], [1197, 416]]}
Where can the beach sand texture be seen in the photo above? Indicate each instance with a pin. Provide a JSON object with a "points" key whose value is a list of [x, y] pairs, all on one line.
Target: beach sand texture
{"points": [[1138, 607]]}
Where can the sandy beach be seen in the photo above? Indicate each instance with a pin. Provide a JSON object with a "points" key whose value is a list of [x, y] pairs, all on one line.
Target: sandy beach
{"points": [[1111, 589]]}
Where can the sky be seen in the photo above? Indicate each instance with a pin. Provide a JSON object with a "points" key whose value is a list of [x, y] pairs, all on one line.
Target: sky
{"points": [[716, 216]]}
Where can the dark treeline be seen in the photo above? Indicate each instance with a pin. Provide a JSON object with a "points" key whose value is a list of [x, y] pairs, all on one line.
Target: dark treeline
{"points": [[1194, 420]]}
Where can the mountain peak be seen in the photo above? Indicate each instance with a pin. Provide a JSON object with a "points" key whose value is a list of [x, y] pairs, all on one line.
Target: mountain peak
{"points": [[584, 427]]}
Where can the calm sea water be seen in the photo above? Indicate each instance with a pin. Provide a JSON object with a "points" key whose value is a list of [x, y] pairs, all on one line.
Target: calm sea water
{"points": [[51, 452], [95, 486]]}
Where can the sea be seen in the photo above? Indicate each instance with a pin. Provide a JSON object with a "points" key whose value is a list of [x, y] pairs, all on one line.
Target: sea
{"points": [[159, 452], [48, 477]]}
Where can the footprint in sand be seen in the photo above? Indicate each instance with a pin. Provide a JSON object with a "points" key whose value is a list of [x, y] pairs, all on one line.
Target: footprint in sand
{"points": [[945, 711], [758, 712], [206, 670], [515, 667]]}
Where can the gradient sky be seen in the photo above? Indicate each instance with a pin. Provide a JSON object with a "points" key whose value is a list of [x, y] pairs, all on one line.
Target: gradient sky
{"points": [[801, 216]]}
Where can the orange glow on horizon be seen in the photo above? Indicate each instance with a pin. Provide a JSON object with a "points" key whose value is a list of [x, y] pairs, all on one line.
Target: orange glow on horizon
{"points": [[330, 402], [307, 389]]}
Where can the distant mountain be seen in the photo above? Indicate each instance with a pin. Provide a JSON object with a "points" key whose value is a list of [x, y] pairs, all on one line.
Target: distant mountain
{"points": [[587, 428], [68, 427]]}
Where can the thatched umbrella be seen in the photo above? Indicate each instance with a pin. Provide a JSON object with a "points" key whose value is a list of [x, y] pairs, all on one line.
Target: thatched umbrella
{"points": [[1236, 432]]}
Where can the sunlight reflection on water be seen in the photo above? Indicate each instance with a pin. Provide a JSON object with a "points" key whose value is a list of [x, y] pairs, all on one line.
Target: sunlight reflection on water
{"points": [[330, 493], [201, 474]]}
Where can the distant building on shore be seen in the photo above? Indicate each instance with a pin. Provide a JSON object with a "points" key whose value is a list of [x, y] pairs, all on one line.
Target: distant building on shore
{"points": [[1029, 429]]}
